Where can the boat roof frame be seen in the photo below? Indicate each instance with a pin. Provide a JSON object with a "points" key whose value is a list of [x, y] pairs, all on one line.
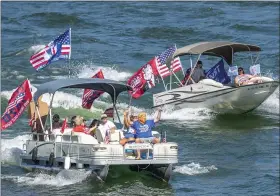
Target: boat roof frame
{"points": [[224, 49], [113, 88]]}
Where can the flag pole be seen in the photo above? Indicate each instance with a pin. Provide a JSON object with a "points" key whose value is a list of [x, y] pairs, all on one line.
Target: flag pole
{"points": [[69, 74]]}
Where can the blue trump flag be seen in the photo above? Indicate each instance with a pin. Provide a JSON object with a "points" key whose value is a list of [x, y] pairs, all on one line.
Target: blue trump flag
{"points": [[58, 49], [218, 73]]}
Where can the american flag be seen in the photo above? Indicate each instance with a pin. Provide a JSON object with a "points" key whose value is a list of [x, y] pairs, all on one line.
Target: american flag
{"points": [[107, 138], [161, 62], [58, 49]]}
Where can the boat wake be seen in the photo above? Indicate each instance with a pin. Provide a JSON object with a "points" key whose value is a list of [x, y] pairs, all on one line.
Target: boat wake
{"points": [[271, 105], [194, 169], [63, 178], [12, 148]]}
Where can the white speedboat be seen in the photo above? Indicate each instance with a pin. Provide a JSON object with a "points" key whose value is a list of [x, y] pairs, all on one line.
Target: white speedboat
{"points": [[56, 151], [210, 94]]}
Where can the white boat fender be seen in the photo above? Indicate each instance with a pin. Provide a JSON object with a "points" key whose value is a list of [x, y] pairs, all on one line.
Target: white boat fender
{"points": [[67, 162], [264, 79], [34, 154], [211, 82], [51, 159]]}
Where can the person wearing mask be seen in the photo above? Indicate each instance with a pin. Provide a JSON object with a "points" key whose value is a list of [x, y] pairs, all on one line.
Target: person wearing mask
{"points": [[143, 128]]}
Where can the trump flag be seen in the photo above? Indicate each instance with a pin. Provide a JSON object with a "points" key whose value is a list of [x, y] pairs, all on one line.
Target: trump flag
{"points": [[58, 49], [90, 95], [143, 79], [218, 73], [16, 105]]}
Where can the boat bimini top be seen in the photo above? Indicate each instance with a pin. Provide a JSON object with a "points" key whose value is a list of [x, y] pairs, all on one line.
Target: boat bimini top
{"points": [[224, 49], [113, 88]]}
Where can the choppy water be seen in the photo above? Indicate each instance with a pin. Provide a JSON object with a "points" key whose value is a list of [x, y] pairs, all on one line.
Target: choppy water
{"points": [[219, 154]]}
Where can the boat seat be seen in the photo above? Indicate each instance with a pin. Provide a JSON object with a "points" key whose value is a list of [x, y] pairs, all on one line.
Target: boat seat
{"points": [[68, 138], [114, 137], [99, 136]]}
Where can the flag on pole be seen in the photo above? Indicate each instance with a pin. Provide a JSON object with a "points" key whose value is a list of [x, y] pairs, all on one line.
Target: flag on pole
{"points": [[175, 66], [255, 69], [64, 126], [16, 105], [58, 49], [143, 79], [164, 139], [90, 95], [107, 137]]}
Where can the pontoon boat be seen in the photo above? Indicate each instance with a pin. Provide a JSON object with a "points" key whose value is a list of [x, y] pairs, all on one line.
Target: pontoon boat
{"points": [[59, 151]]}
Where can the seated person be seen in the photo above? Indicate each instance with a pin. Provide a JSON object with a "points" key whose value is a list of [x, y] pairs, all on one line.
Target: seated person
{"points": [[106, 125], [72, 122], [245, 79], [129, 132], [79, 124], [143, 128], [55, 122], [93, 126]]}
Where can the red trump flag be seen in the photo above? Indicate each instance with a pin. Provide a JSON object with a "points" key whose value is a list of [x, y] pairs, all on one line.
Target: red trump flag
{"points": [[90, 95], [16, 105], [143, 79]]}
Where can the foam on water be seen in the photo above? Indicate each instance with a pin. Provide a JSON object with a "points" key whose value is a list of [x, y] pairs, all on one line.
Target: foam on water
{"points": [[87, 71], [194, 169], [63, 178], [271, 105], [12, 148]]}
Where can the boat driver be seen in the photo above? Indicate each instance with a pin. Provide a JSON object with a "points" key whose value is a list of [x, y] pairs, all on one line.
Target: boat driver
{"points": [[143, 128], [106, 125], [198, 73], [55, 122], [245, 79]]}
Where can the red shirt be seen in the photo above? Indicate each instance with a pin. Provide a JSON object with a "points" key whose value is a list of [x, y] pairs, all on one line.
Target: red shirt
{"points": [[79, 128]]}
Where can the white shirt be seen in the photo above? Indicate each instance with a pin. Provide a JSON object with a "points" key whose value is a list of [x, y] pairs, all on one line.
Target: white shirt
{"points": [[106, 127]]}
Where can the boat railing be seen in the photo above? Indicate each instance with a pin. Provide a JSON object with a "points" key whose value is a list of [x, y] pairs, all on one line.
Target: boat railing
{"points": [[169, 85], [52, 138]]}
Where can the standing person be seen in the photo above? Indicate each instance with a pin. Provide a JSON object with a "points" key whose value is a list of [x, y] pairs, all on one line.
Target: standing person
{"points": [[106, 125], [143, 128], [198, 73]]}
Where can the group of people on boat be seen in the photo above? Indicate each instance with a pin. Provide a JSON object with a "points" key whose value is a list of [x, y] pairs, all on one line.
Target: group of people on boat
{"points": [[198, 73], [137, 128]]}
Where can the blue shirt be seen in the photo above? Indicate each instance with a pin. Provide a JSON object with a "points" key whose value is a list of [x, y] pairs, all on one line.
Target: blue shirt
{"points": [[143, 130], [129, 133]]}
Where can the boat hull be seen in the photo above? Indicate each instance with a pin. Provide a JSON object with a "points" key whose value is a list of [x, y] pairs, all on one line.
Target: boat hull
{"points": [[98, 158], [222, 100]]}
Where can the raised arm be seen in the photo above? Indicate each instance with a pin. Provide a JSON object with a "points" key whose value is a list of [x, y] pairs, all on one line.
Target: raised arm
{"points": [[158, 115]]}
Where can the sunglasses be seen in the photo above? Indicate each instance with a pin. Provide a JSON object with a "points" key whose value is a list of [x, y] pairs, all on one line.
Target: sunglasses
{"points": [[240, 69]]}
